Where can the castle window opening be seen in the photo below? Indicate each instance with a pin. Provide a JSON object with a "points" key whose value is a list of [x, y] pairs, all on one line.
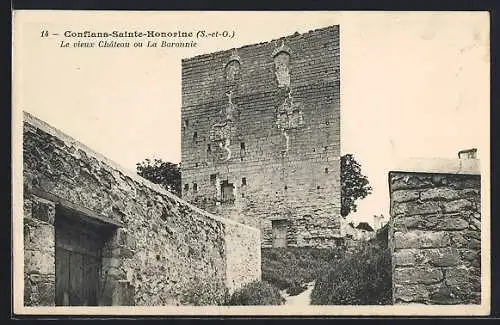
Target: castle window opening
{"points": [[213, 179], [227, 192], [242, 145], [196, 165], [244, 181], [186, 187], [326, 170], [209, 148], [195, 187], [195, 136]]}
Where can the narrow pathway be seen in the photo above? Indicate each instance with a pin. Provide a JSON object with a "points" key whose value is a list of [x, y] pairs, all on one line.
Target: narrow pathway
{"points": [[302, 299]]}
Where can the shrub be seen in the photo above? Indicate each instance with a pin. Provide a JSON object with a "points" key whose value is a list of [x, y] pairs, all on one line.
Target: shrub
{"points": [[205, 292], [292, 267], [256, 293], [360, 278]]}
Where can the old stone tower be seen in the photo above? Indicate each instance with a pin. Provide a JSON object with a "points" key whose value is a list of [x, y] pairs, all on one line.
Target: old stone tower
{"points": [[261, 137]]}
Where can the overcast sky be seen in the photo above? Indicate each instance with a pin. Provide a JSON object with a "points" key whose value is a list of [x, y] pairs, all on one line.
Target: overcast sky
{"points": [[412, 85]]}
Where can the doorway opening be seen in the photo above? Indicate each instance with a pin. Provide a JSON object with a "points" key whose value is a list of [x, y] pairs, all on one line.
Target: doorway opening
{"points": [[279, 232], [78, 257]]}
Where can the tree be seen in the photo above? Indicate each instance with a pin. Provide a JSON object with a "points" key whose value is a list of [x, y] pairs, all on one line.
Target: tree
{"points": [[354, 185], [160, 172]]}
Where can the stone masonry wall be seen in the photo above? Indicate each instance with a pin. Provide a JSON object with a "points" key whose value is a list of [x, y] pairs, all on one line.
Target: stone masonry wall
{"points": [[435, 232], [159, 247], [266, 119]]}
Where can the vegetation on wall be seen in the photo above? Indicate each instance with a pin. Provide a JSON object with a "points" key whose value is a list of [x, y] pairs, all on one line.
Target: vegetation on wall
{"points": [[363, 277]]}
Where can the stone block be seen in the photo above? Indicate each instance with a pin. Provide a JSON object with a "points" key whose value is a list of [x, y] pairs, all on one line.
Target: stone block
{"points": [[411, 293], [457, 206], [430, 222], [38, 236], [458, 239], [46, 288], [401, 181], [444, 295], [462, 281], [417, 275], [443, 257], [405, 196], [43, 210], [439, 194], [421, 239], [438, 257], [39, 262], [416, 208], [27, 206]]}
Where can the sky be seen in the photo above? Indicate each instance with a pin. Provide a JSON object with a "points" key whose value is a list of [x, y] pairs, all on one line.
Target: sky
{"points": [[412, 84]]}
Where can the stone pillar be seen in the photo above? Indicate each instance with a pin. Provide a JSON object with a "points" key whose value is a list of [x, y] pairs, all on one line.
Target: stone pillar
{"points": [[39, 252], [435, 233], [116, 289]]}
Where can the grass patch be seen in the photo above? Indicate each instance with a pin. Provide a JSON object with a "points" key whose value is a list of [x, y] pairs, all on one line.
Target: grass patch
{"points": [[292, 267], [362, 277], [256, 293]]}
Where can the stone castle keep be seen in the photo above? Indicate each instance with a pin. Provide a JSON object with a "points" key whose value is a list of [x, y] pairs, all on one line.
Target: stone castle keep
{"points": [[261, 137]]}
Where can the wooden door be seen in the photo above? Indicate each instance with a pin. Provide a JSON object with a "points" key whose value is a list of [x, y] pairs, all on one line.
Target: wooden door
{"points": [[279, 233], [78, 262]]}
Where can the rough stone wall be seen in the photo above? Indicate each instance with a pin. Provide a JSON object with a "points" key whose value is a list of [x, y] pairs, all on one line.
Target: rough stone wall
{"points": [[266, 118], [161, 247], [435, 233], [242, 259]]}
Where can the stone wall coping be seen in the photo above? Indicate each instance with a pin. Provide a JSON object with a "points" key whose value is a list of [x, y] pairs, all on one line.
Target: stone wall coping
{"points": [[45, 127], [287, 37], [439, 166]]}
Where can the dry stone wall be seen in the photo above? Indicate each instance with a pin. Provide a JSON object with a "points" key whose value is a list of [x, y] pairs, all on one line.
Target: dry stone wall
{"points": [[159, 249], [435, 237], [263, 121]]}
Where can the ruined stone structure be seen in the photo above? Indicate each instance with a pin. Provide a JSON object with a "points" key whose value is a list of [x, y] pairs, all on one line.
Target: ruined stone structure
{"points": [[95, 234], [261, 136], [435, 232]]}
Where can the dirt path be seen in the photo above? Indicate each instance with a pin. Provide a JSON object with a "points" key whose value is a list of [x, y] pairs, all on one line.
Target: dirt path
{"points": [[302, 299]]}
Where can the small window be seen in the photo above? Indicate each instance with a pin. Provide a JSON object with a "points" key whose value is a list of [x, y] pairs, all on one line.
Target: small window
{"points": [[195, 187], [242, 145], [244, 181], [209, 148], [326, 170], [186, 187], [286, 187], [196, 165], [213, 179], [318, 187], [195, 136]]}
